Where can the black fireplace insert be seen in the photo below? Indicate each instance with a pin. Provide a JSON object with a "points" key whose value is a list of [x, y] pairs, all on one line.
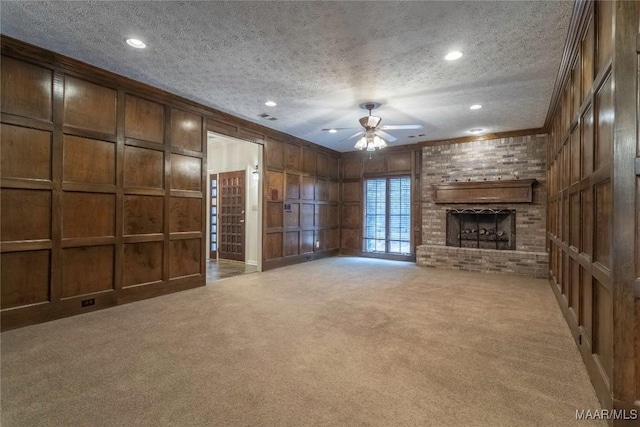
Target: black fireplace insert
{"points": [[482, 228]]}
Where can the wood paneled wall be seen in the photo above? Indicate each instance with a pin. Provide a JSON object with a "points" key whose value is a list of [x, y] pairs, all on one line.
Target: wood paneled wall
{"points": [[356, 166], [102, 196], [301, 197], [103, 188], [593, 206]]}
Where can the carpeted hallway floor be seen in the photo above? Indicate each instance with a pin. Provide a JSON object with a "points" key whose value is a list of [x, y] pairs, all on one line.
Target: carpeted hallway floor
{"points": [[336, 342]]}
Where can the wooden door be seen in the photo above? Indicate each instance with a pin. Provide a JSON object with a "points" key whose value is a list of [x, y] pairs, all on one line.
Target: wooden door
{"points": [[231, 215], [213, 217]]}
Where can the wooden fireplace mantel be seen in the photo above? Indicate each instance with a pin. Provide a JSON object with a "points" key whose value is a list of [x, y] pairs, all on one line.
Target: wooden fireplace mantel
{"points": [[501, 191]]}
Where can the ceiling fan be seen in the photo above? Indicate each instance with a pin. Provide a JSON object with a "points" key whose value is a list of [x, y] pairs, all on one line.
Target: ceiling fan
{"points": [[373, 136]]}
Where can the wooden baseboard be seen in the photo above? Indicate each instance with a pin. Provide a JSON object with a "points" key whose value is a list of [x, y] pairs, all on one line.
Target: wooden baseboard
{"points": [[297, 259], [45, 312]]}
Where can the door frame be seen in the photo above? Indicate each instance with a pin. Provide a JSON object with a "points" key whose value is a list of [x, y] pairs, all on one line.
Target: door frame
{"points": [[213, 130]]}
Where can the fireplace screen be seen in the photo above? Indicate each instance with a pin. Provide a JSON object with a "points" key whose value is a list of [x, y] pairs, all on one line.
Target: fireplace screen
{"points": [[482, 229]]}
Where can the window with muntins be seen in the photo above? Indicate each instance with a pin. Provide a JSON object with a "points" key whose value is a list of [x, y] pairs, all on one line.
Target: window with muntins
{"points": [[387, 216]]}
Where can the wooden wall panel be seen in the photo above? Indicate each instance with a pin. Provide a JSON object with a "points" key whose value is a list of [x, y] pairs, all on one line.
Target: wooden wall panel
{"points": [[26, 214], [575, 156], [604, 128], [273, 246], [18, 288], [306, 242], [79, 163], [185, 214], [574, 220], [291, 243], [293, 157], [603, 334], [88, 214], [275, 185], [351, 168], [308, 160], [586, 132], [322, 165], [143, 119], [604, 13], [603, 223], [36, 102], [143, 214], [587, 51], [308, 188], [142, 263], [87, 270], [322, 216], [586, 223], [334, 167], [321, 191], [186, 173], [334, 191], [332, 238], [351, 239], [89, 106], [333, 216], [400, 162], [293, 186], [351, 217], [184, 257], [274, 154], [376, 164], [576, 84], [274, 215], [186, 130], [307, 215], [26, 153], [352, 191], [292, 216], [143, 168]]}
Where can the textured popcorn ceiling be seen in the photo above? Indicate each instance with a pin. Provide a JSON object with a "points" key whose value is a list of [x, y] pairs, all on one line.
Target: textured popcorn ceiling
{"points": [[320, 60]]}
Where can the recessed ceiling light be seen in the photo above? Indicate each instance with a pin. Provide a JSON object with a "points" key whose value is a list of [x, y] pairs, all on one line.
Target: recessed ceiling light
{"points": [[270, 104], [476, 130], [452, 56], [475, 107], [138, 44], [332, 131]]}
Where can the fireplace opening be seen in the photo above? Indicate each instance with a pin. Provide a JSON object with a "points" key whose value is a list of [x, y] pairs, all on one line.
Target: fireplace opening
{"points": [[482, 228]]}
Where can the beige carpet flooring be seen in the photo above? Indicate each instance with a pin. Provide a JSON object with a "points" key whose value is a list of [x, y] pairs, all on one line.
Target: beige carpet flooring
{"points": [[336, 342]]}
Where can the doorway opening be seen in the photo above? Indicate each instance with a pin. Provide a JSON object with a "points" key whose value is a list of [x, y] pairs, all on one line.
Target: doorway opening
{"points": [[234, 226]]}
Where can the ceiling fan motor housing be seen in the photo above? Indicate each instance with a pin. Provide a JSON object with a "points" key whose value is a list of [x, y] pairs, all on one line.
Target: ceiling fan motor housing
{"points": [[370, 122]]}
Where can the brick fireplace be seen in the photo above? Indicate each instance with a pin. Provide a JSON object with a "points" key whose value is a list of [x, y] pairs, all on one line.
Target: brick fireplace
{"points": [[483, 206]]}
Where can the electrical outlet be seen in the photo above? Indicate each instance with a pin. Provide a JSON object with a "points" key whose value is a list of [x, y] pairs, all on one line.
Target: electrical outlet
{"points": [[317, 243], [88, 302]]}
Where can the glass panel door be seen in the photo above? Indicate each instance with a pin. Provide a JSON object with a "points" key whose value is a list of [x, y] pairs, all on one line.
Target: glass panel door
{"points": [[387, 216]]}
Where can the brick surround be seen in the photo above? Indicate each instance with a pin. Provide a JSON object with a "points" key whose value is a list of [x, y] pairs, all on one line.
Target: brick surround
{"points": [[506, 158]]}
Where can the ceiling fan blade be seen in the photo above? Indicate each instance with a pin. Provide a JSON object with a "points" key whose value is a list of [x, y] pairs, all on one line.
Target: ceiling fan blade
{"points": [[386, 136], [353, 136], [328, 129], [387, 127]]}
